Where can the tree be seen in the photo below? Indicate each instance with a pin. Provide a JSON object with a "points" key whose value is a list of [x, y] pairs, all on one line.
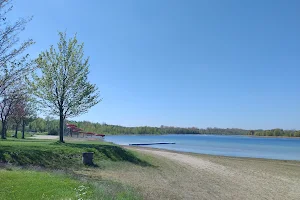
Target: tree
{"points": [[63, 87], [17, 114], [24, 111], [10, 99], [13, 66], [52, 125], [5, 107], [38, 125]]}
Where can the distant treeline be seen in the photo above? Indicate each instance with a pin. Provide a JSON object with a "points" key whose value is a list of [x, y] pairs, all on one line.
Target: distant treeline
{"points": [[50, 125], [276, 133], [115, 129]]}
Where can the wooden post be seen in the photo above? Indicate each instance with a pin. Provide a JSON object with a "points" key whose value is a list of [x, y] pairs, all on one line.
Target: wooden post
{"points": [[87, 158]]}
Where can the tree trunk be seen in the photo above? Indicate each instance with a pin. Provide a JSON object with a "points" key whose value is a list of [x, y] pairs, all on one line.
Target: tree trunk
{"points": [[61, 127], [16, 132], [23, 129], [3, 130]]}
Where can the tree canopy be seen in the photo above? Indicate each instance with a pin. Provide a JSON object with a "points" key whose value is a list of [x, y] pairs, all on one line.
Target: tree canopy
{"points": [[63, 88]]}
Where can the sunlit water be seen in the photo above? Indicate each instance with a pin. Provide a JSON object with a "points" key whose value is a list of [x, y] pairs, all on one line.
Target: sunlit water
{"points": [[238, 146]]}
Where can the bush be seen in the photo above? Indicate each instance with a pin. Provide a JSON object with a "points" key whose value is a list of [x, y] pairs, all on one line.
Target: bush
{"points": [[53, 132]]}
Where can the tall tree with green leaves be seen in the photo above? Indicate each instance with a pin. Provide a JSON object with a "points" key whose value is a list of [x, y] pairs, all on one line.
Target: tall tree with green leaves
{"points": [[62, 87]]}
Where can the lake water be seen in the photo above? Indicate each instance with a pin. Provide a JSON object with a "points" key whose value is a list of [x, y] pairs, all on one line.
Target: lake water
{"points": [[238, 146]]}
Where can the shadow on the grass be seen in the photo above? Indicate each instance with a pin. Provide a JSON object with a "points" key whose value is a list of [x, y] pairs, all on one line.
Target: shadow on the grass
{"points": [[113, 153]]}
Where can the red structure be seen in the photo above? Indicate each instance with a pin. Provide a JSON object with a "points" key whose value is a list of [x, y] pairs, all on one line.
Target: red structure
{"points": [[90, 134], [74, 129]]}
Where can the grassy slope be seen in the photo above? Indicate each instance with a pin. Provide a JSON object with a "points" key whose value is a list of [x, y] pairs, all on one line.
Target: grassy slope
{"points": [[52, 155]]}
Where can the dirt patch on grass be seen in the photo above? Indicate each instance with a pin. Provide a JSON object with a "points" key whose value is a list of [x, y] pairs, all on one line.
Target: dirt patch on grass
{"points": [[187, 176], [44, 137]]}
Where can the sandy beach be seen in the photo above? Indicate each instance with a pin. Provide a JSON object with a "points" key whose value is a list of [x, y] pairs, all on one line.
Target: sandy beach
{"points": [[194, 176]]}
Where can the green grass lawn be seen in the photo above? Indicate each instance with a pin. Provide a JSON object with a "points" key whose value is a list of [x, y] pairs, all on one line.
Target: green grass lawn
{"points": [[49, 155], [23, 184], [10, 133], [31, 185]]}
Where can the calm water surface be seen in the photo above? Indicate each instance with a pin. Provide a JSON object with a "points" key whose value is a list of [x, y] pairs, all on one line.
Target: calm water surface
{"points": [[239, 146]]}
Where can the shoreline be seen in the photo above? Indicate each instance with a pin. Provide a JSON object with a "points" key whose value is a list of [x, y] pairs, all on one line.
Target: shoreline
{"points": [[254, 136], [210, 155]]}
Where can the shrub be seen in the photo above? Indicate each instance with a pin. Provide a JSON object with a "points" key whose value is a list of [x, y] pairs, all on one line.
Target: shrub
{"points": [[53, 132]]}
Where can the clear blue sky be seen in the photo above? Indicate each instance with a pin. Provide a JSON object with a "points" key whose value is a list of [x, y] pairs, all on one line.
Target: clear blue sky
{"points": [[182, 63]]}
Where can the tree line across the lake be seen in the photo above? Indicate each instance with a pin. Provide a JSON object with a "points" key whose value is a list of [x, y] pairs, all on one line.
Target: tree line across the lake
{"points": [[275, 133], [50, 126]]}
